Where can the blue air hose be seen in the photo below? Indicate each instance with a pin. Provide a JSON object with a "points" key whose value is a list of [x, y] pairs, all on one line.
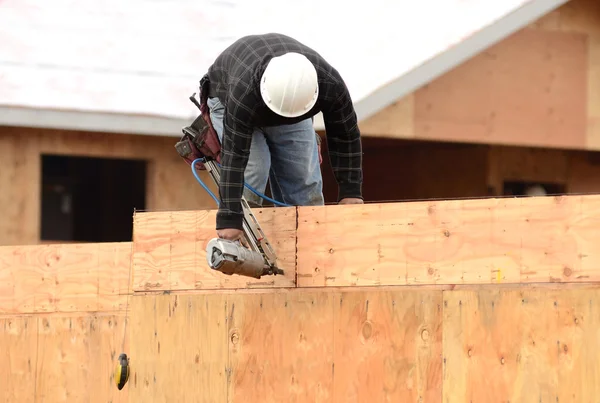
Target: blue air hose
{"points": [[256, 192]]}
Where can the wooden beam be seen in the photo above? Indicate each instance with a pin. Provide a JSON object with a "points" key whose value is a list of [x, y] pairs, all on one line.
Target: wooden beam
{"points": [[170, 250], [64, 278]]}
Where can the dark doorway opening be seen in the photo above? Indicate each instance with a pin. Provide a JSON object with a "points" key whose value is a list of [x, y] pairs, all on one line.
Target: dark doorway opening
{"points": [[87, 199]]}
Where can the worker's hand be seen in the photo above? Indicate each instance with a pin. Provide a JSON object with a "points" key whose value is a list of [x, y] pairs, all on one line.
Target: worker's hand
{"points": [[351, 200], [232, 234]]}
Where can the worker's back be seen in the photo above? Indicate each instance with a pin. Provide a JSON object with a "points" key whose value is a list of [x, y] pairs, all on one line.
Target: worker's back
{"points": [[250, 54], [240, 66]]}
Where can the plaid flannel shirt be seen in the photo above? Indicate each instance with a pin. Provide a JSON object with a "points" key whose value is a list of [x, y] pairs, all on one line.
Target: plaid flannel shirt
{"points": [[234, 78]]}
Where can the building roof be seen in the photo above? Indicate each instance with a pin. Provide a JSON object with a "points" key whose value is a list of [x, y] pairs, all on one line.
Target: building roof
{"points": [[130, 66]]}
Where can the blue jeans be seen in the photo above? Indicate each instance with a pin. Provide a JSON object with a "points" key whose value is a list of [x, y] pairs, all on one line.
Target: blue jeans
{"points": [[286, 155]]}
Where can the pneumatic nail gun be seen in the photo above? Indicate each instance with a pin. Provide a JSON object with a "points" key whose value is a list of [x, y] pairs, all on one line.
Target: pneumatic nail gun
{"points": [[200, 147]]}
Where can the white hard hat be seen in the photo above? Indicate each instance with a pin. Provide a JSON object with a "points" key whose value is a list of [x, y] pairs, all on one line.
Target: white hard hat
{"points": [[289, 85], [535, 190]]}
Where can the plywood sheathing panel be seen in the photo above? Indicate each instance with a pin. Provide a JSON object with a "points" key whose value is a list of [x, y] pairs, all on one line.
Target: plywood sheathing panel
{"points": [[179, 353], [170, 250], [281, 347], [57, 358], [300, 345], [487, 241], [521, 345], [529, 89], [387, 346], [64, 278]]}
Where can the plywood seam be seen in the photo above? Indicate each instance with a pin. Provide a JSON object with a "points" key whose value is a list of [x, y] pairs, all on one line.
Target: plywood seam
{"points": [[37, 354], [296, 243], [446, 287], [443, 336], [228, 369], [129, 289]]}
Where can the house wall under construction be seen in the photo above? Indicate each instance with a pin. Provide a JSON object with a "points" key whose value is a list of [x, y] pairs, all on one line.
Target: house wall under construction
{"points": [[476, 299]]}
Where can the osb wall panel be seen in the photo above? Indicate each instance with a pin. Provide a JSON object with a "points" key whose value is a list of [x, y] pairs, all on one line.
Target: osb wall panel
{"points": [[538, 87], [170, 183]]}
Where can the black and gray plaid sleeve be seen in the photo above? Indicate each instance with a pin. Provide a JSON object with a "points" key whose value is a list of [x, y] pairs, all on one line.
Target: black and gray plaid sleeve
{"points": [[235, 150], [343, 139]]}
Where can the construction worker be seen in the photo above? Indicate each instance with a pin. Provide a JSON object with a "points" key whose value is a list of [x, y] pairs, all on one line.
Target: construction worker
{"points": [[263, 91]]}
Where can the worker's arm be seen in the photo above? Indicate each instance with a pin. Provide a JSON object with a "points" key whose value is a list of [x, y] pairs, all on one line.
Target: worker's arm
{"points": [[235, 149], [344, 143]]}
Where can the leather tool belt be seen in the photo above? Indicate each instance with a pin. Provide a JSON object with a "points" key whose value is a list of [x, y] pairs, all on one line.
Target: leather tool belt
{"points": [[200, 140]]}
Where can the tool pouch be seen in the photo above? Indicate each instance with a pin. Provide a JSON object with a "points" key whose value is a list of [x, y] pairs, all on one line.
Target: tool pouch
{"points": [[200, 140]]}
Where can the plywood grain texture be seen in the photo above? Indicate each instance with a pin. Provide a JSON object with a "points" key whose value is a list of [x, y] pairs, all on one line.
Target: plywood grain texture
{"points": [[296, 346], [170, 250], [486, 241], [56, 358], [281, 347], [179, 348], [388, 346], [64, 278], [521, 346]]}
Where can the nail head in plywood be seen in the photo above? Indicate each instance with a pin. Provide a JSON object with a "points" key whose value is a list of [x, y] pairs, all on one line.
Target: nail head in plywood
{"points": [[170, 250]]}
